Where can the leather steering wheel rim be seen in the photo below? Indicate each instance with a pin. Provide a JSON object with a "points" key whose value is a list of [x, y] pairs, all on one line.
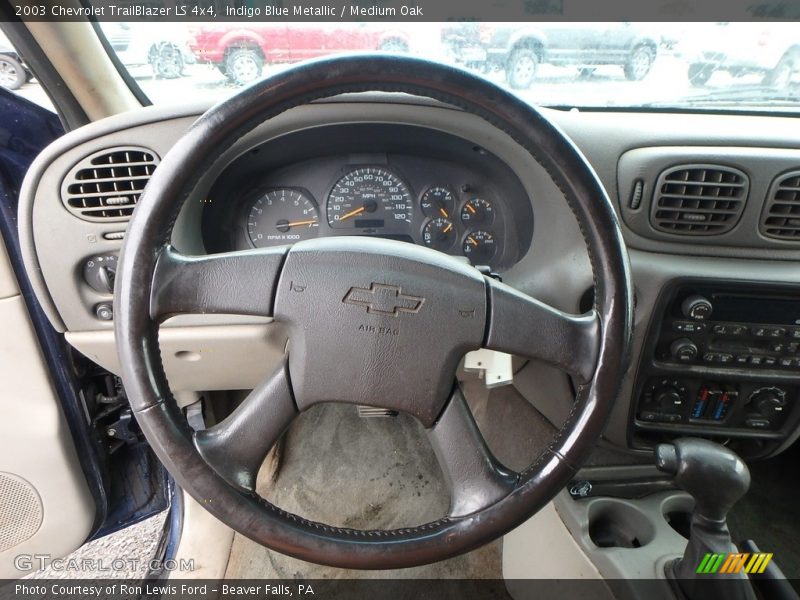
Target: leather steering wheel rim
{"points": [[148, 264]]}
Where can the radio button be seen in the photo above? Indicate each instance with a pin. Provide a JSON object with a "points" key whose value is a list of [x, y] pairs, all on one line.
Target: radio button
{"points": [[683, 350], [756, 360], [696, 307], [795, 333], [738, 330], [776, 332], [769, 361], [688, 326], [786, 362]]}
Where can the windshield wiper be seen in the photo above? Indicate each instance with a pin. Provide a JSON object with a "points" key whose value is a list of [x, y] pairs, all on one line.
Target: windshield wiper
{"points": [[759, 95]]}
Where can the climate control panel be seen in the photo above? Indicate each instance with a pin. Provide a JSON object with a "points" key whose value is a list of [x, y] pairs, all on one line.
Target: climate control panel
{"points": [[742, 405]]}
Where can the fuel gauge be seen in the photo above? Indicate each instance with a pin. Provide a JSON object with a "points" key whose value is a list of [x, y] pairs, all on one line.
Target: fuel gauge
{"points": [[479, 247], [439, 234]]}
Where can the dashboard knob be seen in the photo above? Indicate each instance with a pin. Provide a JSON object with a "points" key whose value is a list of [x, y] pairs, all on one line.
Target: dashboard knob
{"points": [[768, 402], [683, 350], [697, 307], [668, 398], [99, 273]]}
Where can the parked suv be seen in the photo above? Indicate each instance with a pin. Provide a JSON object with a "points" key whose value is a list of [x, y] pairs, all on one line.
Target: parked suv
{"points": [[240, 52], [160, 45], [520, 49], [773, 51]]}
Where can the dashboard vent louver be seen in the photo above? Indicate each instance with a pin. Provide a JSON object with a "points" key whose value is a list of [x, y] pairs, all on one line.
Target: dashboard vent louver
{"points": [[781, 217], [699, 199], [106, 186]]}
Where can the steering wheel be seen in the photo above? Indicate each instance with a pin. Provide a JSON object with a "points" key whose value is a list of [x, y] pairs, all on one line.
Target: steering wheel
{"points": [[405, 315]]}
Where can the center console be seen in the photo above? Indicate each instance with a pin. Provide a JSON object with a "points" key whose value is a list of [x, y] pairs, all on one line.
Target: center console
{"points": [[721, 360]]}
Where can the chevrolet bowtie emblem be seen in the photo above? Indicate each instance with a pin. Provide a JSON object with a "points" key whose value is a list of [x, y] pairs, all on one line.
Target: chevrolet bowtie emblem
{"points": [[382, 299]]}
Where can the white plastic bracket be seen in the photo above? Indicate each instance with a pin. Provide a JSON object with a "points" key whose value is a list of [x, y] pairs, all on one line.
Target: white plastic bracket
{"points": [[494, 367]]}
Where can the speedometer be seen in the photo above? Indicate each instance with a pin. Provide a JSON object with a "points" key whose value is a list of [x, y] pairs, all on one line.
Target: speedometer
{"points": [[370, 198]]}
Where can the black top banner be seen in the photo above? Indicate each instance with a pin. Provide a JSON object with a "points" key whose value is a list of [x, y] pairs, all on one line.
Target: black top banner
{"points": [[402, 11]]}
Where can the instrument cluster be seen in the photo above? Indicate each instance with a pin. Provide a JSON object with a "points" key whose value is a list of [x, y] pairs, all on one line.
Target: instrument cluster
{"points": [[376, 201], [474, 211]]}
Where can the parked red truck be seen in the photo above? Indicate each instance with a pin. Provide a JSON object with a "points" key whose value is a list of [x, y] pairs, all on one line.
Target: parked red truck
{"points": [[240, 52]]}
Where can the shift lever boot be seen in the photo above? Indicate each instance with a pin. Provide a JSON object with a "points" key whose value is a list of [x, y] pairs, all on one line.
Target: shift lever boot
{"points": [[716, 478]]}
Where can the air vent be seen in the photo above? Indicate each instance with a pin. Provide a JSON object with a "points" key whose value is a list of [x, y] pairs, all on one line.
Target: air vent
{"points": [[781, 217], [699, 199], [106, 185]]}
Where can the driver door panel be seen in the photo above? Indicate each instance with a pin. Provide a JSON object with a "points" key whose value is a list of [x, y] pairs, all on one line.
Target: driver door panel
{"points": [[45, 504]]}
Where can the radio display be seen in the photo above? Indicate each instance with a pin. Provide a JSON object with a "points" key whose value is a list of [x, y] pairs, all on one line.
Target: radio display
{"points": [[751, 309]]}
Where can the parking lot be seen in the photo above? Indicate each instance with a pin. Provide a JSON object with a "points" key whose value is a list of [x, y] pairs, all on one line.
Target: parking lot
{"points": [[553, 86]]}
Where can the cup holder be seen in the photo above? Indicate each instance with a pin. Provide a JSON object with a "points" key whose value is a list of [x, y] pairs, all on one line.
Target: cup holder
{"points": [[680, 521], [677, 512], [615, 524]]}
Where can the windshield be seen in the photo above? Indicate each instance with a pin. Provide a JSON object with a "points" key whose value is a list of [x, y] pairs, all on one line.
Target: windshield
{"points": [[720, 66]]}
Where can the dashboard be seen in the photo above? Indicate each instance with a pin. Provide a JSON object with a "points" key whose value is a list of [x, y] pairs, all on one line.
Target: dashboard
{"points": [[398, 182], [415, 170]]}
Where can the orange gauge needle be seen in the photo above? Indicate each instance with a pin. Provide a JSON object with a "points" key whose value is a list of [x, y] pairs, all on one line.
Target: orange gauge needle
{"points": [[471, 241], [448, 228], [352, 213], [470, 209], [444, 212], [301, 223]]}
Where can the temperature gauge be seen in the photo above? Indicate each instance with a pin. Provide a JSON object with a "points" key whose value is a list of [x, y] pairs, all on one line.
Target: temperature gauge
{"points": [[479, 247]]}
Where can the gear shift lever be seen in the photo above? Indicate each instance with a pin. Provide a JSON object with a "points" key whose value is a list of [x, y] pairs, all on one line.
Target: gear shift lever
{"points": [[716, 478]]}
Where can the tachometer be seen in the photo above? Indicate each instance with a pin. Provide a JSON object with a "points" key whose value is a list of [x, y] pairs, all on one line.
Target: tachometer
{"points": [[282, 216], [370, 198]]}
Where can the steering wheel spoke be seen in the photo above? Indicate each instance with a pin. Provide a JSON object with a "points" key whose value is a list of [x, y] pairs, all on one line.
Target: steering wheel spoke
{"points": [[474, 476], [241, 283], [236, 447], [521, 325]]}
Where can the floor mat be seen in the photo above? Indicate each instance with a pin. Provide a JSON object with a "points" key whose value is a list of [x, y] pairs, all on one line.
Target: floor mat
{"points": [[359, 473], [368, 473]]}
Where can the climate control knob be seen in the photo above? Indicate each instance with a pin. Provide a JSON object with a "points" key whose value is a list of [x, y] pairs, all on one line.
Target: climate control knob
{"points": [[683, 350], [768, 402], [668, 398]]}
